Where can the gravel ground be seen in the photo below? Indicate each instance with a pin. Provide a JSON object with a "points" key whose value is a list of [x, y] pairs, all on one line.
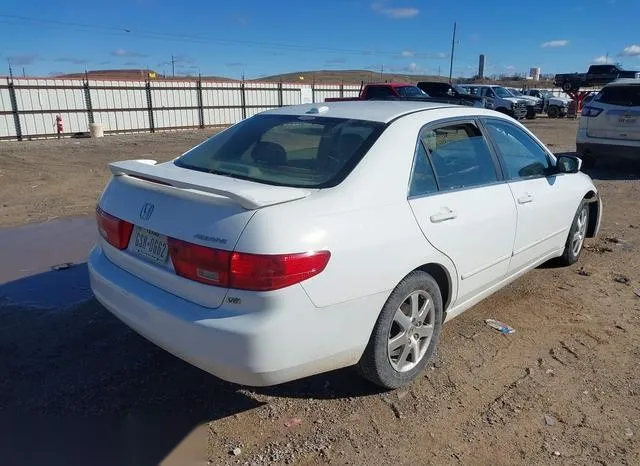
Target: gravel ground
{"points": [[78, 387]]}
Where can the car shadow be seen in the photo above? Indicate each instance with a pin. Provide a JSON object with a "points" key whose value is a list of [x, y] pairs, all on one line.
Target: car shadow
{"points": [[80, 387], [611, 168]]}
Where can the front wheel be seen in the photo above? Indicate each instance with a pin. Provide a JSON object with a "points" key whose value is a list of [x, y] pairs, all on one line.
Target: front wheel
{"points": [[577, 235], [568, 86], [553, 112], [406, 333]]}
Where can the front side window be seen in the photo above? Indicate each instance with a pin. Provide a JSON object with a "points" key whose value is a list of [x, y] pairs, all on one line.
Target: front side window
{"points": [[523, 156], [502, 92], [460, 155], [286, 150]]}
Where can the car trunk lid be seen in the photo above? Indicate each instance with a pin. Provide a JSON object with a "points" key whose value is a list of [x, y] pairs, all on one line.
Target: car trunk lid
{"points": [[615, 123], [164, 201]]}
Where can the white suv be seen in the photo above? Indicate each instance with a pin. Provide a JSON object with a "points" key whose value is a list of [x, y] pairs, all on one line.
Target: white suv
{"points": [[610, 123]]}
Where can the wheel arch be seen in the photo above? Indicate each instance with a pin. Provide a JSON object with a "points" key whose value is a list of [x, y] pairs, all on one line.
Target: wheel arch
{"points": [[594, 213], [443, 278]]}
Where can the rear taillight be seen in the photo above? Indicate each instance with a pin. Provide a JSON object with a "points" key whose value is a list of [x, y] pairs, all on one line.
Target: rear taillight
{"points": [[241, 271], [271, 272], [115, 231], [591, 111], [199, 263]]}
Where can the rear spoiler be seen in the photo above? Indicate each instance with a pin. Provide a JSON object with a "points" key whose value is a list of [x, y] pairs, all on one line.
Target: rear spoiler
{"points": [[248, 194]]}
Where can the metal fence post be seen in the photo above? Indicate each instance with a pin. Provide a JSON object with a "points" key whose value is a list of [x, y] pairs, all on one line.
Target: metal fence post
{"points": [[280, 99], [342, 89], [14, 108], [243, 101], [152, 126], [200, 105], [87, 100], [313, 91]]}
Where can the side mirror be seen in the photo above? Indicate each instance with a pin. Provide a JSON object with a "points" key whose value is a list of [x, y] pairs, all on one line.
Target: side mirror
{"points": [[568, 164]]}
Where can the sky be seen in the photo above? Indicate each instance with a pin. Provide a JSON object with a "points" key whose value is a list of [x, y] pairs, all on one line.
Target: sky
{"points": [[259, 37]]}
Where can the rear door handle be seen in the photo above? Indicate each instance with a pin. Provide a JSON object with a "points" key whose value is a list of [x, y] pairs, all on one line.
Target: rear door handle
{"points": [[525, 198], [444, 215]]}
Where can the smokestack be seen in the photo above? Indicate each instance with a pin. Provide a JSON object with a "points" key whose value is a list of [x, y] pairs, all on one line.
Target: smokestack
{"points": [[481, 67]]}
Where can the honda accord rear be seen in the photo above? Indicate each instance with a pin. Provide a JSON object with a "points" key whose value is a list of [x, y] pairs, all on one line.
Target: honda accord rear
{"points": [[216, 256]]}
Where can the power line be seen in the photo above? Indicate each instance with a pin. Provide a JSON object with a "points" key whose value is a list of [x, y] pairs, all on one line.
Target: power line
{"points": [[116, 30]]}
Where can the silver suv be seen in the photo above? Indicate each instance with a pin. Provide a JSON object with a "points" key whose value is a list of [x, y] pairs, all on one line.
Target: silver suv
{"points": [[610, 123], [499, 98]]}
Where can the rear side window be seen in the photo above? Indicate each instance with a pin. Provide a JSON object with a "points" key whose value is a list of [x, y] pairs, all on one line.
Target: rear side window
{"points": [[379, 92], [460, 155], [286, 150], [628, 96]]}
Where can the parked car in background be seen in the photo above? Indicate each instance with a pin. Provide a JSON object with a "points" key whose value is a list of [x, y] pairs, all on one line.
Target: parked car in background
{"points": [[446, 90], [553, 105], [400, 91], [534, 104], [597, 75], [313, 237], [610, 123], [499, 99]]}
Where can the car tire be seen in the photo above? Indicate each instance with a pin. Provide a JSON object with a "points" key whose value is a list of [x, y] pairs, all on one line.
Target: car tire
{"points": [[406, 333], [577, 235], [553, 112], [568, 86]]}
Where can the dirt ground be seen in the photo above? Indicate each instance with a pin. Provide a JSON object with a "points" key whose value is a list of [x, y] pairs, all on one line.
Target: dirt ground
{"points": [[78, 387]]}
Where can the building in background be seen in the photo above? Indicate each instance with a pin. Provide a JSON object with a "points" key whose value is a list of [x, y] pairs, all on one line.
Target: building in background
{"points": [[481, 67], [534, 73]]}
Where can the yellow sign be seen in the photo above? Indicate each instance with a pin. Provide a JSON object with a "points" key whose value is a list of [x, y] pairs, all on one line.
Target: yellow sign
{"points": [[152, 74]]}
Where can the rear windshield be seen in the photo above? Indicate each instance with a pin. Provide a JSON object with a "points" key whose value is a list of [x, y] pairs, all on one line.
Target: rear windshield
{"points": [[620, 95], [286, 150], [410, 91]]}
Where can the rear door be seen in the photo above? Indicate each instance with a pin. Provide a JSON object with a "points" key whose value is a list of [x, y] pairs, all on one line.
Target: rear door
{"points": [[461, 205], [620, 116], [545, 201]]}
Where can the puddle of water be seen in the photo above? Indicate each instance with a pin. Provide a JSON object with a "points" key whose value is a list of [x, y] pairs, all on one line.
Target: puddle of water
{"points": [[28, 254]]}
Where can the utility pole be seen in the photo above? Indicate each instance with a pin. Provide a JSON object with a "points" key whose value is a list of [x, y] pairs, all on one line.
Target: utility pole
{"points": [[173, 66], [381, 71], [439, 72], [453, 48]]}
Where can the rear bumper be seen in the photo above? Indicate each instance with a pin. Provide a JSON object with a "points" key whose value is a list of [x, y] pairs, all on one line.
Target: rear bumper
{"points": [[608, 148], [259, 348]]}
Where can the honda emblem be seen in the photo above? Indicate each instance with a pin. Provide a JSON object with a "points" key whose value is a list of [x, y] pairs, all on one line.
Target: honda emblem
{"points": [[146, 211]]}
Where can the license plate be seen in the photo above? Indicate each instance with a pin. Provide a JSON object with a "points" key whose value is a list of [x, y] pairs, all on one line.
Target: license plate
{"points": [[150, 245]]}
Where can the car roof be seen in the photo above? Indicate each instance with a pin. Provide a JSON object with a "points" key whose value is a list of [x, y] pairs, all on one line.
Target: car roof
{"points": [[382, 111], [624, 82]]}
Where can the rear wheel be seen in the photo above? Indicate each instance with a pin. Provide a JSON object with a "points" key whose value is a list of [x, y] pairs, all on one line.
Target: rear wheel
{"points": [[568, 86], [577, 235], [406, 333]]}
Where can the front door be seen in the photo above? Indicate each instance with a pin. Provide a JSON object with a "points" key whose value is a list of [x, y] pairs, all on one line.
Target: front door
{"points": [[461, 205], [543, 199]]}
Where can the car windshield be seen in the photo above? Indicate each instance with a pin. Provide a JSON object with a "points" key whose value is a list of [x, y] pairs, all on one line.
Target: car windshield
{"points": [[629, 96], [286, 150], [515, 92], [411, 91], [502, 92], [461, 90]]}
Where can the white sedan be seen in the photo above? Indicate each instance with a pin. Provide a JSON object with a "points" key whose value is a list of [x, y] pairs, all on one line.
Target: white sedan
{"points": [[314, 237]]}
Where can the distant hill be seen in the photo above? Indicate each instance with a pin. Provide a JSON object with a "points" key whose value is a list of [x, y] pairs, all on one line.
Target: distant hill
{"points": [[135, 75], [347, 77], [357, 76]]}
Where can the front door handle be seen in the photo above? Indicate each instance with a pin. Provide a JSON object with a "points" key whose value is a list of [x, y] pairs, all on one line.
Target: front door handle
{"points": [[525, 198], [444, 215]]}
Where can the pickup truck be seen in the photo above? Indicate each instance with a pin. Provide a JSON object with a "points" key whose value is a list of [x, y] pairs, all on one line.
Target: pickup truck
{"points": [[553, 106], [597, 75], [398, 91], [446, 90]]}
